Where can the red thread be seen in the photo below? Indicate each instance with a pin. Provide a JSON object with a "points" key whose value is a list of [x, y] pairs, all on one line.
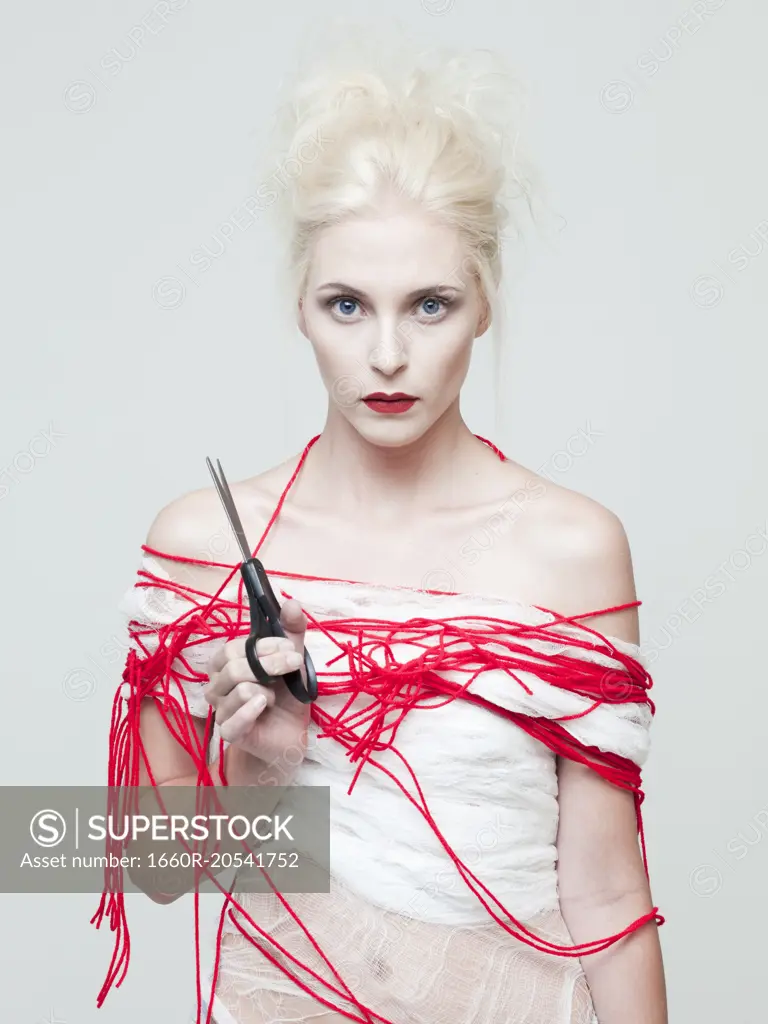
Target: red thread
{"points": [[463, 645]]}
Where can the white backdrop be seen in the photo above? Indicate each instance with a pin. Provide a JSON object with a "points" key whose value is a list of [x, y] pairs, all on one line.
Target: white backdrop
{"points": [[131, 138]]}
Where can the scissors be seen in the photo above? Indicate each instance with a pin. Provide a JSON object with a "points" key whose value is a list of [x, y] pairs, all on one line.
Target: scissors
{"points": [[265, 611]]}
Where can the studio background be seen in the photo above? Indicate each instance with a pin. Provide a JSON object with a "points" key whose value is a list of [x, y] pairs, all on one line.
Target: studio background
{"points": [[129, 142]]}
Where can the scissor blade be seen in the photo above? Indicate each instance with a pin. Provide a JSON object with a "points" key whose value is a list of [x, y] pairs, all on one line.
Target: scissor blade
{"points": [[229, 507]]}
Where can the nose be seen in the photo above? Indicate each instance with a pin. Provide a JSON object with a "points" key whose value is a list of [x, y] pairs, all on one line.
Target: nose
{"points": [[389, 353]]}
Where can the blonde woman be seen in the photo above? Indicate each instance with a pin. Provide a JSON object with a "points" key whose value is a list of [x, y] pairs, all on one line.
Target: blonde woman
{"points": [[527, 709]]}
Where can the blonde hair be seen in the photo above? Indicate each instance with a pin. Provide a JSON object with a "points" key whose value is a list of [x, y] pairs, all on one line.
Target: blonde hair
{"points": [[374, 119]]}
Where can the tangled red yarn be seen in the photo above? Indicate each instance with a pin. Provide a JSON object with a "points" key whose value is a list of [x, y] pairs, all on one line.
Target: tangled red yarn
{"points": [[466, 645]]}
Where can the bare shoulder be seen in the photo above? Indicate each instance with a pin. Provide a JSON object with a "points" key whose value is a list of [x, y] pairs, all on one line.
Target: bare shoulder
{"points": [[580, 549], [194, 526]]}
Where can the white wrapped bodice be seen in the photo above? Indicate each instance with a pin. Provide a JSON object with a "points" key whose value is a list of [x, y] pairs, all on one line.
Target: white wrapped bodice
{"points": [[400, 926], [490, 787]]}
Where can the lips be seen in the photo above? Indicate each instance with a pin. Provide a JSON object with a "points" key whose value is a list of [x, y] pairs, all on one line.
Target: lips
{"points": [[397, 402]]}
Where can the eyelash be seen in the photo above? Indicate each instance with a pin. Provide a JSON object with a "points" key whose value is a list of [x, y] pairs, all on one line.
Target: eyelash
{"points": [[445, 304]]}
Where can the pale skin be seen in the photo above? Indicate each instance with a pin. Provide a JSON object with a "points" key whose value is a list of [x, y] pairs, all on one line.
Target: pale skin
{"points": [[385, 498]]}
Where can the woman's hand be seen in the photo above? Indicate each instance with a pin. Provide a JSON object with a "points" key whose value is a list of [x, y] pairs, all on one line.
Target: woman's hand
{"points": [[265, 721]]}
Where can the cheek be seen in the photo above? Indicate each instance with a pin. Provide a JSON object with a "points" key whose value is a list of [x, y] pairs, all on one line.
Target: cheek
{"points": [[319, 336], [328, 361], [457, 368], [339, 370], [446, 360]]}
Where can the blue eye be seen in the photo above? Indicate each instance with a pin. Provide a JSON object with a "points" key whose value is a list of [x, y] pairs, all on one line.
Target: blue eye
{"points": [[437, 305], [344, 304]]}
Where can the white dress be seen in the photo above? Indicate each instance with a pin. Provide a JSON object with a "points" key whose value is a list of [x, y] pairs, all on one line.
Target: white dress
{"points": [[404, 931]]}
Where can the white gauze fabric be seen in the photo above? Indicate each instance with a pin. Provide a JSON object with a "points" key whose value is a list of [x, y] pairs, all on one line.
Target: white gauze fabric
{"points": [[415, 943]]}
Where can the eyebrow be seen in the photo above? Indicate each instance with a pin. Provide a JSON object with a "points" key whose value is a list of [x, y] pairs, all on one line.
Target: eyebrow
{"points": [[433, 289]]}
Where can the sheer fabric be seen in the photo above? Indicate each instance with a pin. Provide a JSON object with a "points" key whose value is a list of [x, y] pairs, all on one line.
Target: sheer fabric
{"points": [[400, 925], [403, 968]]}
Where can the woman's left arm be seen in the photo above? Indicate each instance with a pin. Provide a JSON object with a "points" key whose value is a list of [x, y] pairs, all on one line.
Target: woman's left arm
{"points": [[603, 888], [601, 878]]}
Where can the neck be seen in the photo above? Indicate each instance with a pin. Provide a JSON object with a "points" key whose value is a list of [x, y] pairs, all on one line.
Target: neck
{"points": [[346, 471]]}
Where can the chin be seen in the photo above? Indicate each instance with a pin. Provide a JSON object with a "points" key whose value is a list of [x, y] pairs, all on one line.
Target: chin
{"points": [[394, 431]]}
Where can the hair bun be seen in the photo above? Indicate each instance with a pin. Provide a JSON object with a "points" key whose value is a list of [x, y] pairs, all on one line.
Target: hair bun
{"points": [[361, 82]]}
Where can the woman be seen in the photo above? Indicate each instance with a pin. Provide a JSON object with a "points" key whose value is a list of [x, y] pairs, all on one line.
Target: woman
{"points": [[530, 773]]}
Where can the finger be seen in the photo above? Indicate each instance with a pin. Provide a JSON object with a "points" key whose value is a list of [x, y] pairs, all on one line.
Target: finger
{"points": [[226, 652], [240, 724], [223, 682], [273, 644], [240, 696], [283, 661], [294, 622], [229, 664]]}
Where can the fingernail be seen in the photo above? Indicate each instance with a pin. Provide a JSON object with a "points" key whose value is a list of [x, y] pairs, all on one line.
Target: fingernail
{"points": [[293, 659], [259, 702]]}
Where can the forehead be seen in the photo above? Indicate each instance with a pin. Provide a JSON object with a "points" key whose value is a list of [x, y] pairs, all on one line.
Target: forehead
{"points": [[389, 252]]}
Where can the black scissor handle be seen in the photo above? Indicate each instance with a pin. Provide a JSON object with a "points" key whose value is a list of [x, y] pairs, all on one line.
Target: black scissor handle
{"points": [[265, 621]]}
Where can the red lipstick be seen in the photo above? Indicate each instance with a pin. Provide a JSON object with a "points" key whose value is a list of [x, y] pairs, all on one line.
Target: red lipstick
{"points": [[380, 401]]}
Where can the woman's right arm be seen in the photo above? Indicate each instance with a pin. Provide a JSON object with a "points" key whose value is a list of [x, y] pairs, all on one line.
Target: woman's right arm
{"points": [[172, 766], [260, 724]]}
